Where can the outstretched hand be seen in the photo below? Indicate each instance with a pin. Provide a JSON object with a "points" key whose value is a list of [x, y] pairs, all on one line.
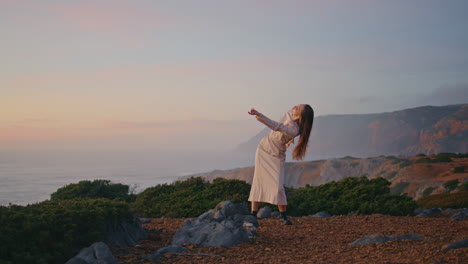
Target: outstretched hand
{"points": [[253, 112]]}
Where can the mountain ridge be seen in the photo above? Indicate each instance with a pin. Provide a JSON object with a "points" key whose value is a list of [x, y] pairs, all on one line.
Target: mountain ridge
{"points": [[424, 129]]}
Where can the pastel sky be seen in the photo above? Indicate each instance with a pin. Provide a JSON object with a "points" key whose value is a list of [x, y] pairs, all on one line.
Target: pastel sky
{"points": [[183, 74]]}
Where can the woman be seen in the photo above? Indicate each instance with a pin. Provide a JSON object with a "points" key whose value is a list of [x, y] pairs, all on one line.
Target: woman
{"points": [[267, 184]]}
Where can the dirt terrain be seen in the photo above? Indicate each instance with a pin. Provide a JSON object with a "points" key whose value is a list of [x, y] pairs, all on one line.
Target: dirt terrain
{"points": [[317, 240]]}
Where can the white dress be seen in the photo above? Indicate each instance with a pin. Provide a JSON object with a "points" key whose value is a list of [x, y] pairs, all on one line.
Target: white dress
{"points": [[267, 184]]}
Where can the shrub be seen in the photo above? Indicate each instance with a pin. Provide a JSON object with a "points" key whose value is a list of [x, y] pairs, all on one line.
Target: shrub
{"points": [[54, 231], [445, 200], [421, 155], [399, 187], [405, 163], [189, 198], [451, 185], [428, 191], [444, 157], [93, 189], [352, 194], [459, 169], [424, 160], [463, 186]]}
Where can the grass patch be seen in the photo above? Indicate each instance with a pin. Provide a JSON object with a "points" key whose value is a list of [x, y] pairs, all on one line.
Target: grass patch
{"points": [[445, 200]]}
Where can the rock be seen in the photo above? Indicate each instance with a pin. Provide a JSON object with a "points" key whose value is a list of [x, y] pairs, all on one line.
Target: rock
{"points": [[379, 238], [458, 217], [169, 249], [370, 239], [275, 214], [264, 212], [321, 214], [97, 253], [428, 212], [459, 244], [226, 225], [144, 220], [124, 234]]}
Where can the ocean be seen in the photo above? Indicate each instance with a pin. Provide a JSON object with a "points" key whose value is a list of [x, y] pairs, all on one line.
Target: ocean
{"points": [[31, 176]]}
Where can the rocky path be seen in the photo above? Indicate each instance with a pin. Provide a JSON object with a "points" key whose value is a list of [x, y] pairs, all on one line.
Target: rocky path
{"points": [[317, 240]]}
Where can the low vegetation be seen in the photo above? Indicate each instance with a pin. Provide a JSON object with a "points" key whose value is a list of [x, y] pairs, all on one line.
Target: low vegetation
{"points": [[350, 195], [54, 231], [94, 189], [445, 200], [189, 198]]}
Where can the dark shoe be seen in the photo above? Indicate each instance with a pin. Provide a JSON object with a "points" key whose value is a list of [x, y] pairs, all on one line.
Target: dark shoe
{"points": [[285, 221]]}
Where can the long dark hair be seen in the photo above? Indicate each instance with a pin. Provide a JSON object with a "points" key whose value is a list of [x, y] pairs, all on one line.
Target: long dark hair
{"points": [[305, 126]]}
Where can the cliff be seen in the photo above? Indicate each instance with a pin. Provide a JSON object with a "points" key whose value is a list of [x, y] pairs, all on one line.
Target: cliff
{"points": [[427, 129], [406, 174]]}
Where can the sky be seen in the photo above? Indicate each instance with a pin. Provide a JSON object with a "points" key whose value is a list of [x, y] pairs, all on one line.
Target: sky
{"points": [[177, 75]]}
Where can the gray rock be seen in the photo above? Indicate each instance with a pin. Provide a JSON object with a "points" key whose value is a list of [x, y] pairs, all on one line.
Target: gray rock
{"points": [[124, 234], [459, 244], [379, 238], [321, 215], [144, 220], [275, 214], [169, 249], [370, 239], [264, 212], [226, 225], [459, 216], [428, 212], [97, 253]]}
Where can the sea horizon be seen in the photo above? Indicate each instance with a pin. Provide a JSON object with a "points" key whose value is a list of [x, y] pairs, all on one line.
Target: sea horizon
{"points": [[31, 176]]}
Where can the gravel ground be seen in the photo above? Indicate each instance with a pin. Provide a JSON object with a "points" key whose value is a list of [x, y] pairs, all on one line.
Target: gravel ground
{"points": [[317, 240]]}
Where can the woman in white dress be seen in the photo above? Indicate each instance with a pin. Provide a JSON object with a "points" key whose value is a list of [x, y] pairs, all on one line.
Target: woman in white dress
{"points": [[267, 184]]}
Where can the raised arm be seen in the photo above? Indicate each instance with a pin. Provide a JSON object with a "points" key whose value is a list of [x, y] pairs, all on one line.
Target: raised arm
{"points": [[291, 131]]}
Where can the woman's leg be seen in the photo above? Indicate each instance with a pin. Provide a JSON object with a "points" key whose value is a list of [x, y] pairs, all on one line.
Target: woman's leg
{"points": [[284, 218], [282, 208], [255, 206]]}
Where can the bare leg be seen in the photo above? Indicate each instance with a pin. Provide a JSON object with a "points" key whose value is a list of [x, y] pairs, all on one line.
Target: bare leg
{"points": [[255, 206], [282, 208]]}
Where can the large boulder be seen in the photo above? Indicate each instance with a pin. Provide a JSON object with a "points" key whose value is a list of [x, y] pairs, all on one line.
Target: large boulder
{"points": [[226, 225], [97, 253], [124, 234]]}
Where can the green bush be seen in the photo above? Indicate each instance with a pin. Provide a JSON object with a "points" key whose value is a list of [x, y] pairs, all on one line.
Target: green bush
{"points": [[445, 200], [463, 186], [189, 198], [428, 191], [54, 231], [424, 160], [451, 185], [444, 157], [93, 189], [399, 187], [421, 155], [459, 169], [359, 195]]}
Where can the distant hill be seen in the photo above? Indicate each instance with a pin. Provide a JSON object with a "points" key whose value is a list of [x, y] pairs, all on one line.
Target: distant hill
{"points": [[427, 129], [411, 175]]}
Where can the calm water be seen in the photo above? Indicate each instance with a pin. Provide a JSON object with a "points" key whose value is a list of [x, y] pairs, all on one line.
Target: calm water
{"points": [[29, 177]]}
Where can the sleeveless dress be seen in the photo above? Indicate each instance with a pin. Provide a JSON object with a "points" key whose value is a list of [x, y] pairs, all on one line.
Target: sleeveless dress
{"points": [[268, 180]]}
